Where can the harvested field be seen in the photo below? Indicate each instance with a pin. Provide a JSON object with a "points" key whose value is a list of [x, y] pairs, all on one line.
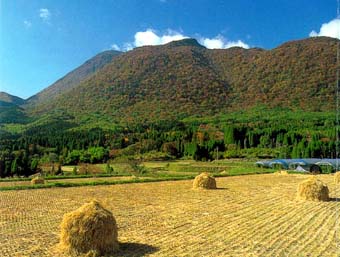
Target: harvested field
{"points": [[254, 215], [68, 180]]}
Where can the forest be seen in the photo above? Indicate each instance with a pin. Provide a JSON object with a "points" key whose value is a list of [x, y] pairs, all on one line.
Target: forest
{"points": [[261, 132]]}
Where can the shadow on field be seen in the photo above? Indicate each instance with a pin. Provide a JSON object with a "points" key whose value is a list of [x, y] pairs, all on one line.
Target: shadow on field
{"points": [[135, 249], [334, 199]]}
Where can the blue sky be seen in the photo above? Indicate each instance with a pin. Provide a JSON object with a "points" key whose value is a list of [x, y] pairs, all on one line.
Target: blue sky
{"points": [[42, 40]]}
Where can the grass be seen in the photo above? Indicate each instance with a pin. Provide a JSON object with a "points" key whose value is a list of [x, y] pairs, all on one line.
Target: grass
{"points": [[49, 177], [154, 171], [93, 183]]}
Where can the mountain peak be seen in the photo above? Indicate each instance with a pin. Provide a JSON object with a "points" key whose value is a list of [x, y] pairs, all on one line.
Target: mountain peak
{"points": [[73, 78], [184, 42], [10, 99], [182, 78]]}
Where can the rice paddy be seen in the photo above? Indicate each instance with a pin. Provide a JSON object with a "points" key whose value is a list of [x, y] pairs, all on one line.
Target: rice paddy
{"points": [[255, 215]]}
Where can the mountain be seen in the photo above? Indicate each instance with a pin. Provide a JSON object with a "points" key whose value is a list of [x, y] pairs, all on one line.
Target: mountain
{"points": [[10, 110], [298, 74], [182, 79], [7, 99], [72, 79]]}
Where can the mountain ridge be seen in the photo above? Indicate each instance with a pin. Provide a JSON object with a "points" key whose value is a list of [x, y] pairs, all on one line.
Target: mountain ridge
{"points": [[73, 78], [182, 79], [8, 99]]}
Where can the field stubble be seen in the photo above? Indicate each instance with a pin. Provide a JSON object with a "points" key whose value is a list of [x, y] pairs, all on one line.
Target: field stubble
{"points": [[253, 215]]}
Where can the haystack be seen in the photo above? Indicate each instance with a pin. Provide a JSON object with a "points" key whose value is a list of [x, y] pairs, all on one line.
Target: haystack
{"points": [[37, 180], [312, 189], [90, 230], [282, 172], [204, 181], [337, 177]]}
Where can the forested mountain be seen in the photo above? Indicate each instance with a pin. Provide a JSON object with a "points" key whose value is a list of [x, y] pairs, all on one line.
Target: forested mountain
{"points": [[10, 110], [183, 78], [298, 74], [180, 100], [7, 99], [72, 79]]}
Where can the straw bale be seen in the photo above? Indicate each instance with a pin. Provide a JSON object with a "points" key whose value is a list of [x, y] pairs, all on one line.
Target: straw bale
{"points": [[90, 230], [282, 172], [312, 189], [37, 180], [337, 177], [204, 181]]}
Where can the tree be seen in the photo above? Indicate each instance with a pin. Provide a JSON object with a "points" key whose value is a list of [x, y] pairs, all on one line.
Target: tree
{"points": [[74, 170], [14, 167], [170, 148], [229, 135], [108, 168], [34, 165], [97, 154], [59, 170]]}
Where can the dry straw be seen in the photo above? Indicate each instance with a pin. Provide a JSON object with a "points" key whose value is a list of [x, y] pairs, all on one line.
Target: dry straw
{"points": [[337, 177], [312, 189], [204, 181], [282, 172], [37, 180], [90, 230]]}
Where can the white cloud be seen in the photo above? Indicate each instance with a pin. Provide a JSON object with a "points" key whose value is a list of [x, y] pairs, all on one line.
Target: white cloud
{"points": [[172, 35], [147, 37], [212, 43], [27, 24], [238, 43], [115, 47], [128, 46], [330, 29], [220, 42], [151, 37], [44, 14]]}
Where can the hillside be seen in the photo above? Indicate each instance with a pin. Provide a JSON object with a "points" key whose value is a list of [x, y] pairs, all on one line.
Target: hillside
{"points": [[7, 99], [298, 74], [72, 79], [10, 110], [182, 79]]}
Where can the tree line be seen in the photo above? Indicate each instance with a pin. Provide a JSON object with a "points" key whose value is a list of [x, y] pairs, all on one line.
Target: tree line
{"points": [[55, 144]]}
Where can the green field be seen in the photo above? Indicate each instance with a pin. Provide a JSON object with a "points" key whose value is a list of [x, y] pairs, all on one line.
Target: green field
{"points": [[149, 171]]}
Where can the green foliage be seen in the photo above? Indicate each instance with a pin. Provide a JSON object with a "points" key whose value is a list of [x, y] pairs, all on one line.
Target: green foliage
{"points": [[12, 114], [229, 135], [182, 100], [180, 170], [258, 133], [137, 167], [34, 164], [97, 154], [75, 170], [108, 168], [91, 155]]}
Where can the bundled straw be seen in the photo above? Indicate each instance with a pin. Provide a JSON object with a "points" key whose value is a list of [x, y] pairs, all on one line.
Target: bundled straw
{"points": [[37, 180], [90, 230], [312, 189], [204, 181], [282, 172], [337, 177]]}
